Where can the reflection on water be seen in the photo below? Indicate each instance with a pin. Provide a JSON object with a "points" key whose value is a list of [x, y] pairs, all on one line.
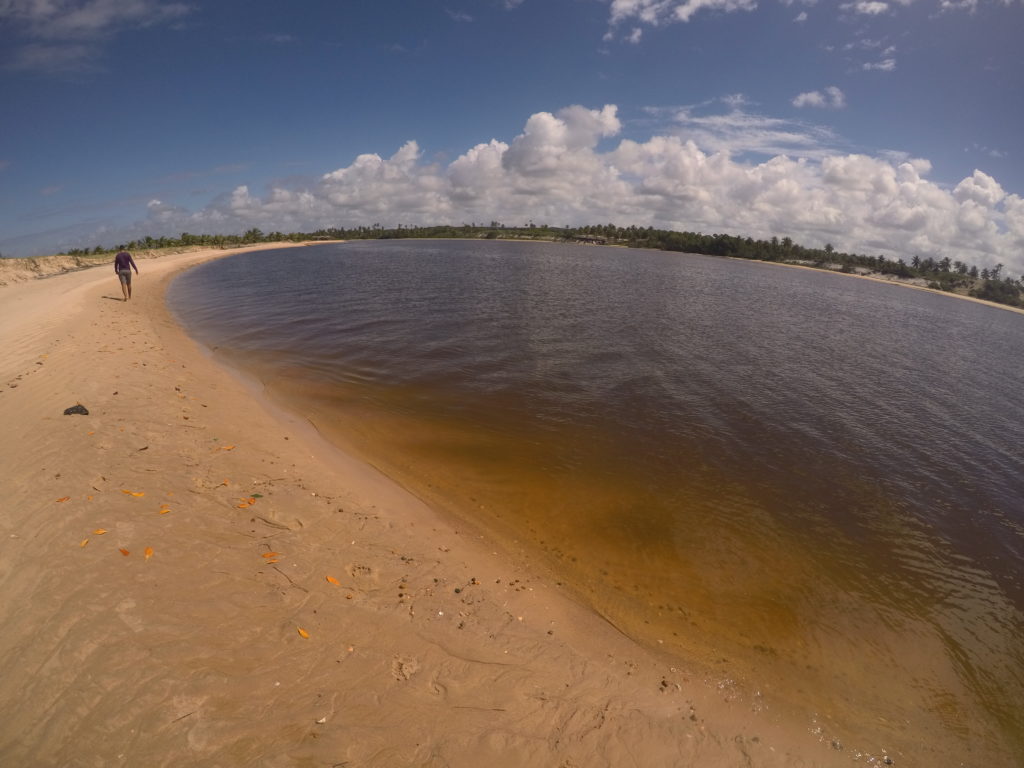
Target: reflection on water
{"points": [[810, 481]]}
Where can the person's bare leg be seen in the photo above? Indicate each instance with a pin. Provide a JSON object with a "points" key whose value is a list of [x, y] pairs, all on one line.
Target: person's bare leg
{"points": [[125, 290]]}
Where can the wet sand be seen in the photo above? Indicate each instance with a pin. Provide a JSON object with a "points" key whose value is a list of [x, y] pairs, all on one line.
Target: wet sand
{"points": [[191, 577]]}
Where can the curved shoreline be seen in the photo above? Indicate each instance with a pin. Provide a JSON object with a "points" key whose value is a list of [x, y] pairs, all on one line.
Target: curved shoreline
{"points": [[884, 281], [197, 482], [50, 266]]}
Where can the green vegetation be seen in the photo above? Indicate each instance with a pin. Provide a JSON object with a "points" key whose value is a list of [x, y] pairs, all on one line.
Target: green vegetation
{"points": [[943, 275]]}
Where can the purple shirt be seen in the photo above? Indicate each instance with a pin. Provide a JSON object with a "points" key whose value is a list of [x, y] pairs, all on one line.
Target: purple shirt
{"points": [[123, 261]]}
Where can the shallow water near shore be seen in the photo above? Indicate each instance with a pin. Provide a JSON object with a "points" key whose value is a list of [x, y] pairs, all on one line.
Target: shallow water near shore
{"points": [[807, 484]]}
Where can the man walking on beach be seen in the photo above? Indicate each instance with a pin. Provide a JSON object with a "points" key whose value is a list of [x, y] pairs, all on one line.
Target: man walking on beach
{"points": [[123, 265]]}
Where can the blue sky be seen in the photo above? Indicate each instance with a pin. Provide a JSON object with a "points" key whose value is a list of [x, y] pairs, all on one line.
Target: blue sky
{"points": [[882, 127]]}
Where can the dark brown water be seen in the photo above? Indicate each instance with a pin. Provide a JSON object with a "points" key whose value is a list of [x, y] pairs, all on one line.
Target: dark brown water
{"points": [[806, 483]]}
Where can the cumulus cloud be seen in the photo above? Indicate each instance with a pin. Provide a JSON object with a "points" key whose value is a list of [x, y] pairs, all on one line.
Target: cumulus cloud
{"points": [[571, 167], [830, 98], [800, 17], [981, 188]]}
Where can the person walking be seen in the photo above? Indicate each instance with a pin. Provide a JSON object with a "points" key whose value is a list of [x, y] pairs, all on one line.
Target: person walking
{"points": [[123, 265]]}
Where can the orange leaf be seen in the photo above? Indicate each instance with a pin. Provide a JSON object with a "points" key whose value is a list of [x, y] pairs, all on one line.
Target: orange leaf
{"points": [[148, 552], [332, 580], [62, 499], [100, 531], [271, 562], [124, 552], [303, 633], [133, 493], [164, 511], [270, 554], [84, 542], [227, 447], [251, 500]]}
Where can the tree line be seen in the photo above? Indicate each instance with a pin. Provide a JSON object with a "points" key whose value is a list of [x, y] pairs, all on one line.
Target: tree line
{"points": [[944, 274]]}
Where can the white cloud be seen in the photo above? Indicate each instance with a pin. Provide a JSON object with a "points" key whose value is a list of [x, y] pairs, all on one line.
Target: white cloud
{"points": [[801, 17], [75, 19], [831, 98], [963, 5], [734, 100], [870, 7], [656, 12], [981, 188], [458, 15], [53, 58], [559, 169], [739, 131], [63, 35], [885, 65], [998, 154], [635, 35]]}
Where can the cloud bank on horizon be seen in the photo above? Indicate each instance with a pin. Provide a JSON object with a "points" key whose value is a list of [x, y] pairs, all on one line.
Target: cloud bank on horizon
{"points": [[563, 168], [71, 64]]}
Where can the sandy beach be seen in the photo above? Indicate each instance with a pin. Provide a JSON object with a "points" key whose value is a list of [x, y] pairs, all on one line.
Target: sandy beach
{"points": [[192, 577]]}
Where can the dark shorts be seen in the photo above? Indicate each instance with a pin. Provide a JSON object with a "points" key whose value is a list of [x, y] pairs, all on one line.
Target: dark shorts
{"points": [[125, 276]]}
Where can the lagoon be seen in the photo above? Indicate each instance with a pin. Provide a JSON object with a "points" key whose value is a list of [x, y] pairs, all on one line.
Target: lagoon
{"points": [[803, 484]]}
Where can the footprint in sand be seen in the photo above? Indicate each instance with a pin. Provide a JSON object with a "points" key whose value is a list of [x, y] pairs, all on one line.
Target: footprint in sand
{"points": [[404, 668], [364, 572], [123, 612]]}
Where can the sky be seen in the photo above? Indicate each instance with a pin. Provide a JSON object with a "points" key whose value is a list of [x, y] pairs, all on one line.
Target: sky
{"points": [[880, 126]]}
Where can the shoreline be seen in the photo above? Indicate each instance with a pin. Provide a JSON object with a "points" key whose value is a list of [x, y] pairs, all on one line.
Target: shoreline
{"points": [[137, 567], [884, 281], [15, 270]]}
